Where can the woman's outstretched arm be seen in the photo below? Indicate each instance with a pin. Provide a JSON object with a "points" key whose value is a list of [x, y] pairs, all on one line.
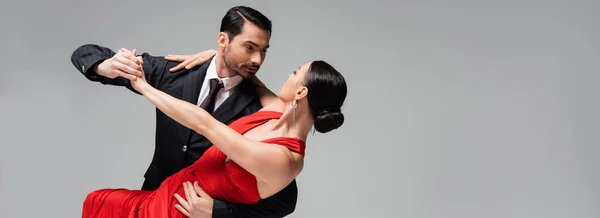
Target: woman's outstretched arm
{"points": [[265, 161]]}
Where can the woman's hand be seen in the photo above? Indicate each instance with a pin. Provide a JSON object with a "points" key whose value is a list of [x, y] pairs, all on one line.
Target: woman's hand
{"points": [[138, 82], [190, 61]]}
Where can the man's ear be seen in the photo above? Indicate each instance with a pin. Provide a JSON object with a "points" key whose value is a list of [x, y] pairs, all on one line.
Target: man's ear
{"points": [[301, 93], [222, 41]]}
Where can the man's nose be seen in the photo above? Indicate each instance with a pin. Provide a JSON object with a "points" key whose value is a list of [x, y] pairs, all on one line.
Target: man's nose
{"points": [[257, 58]]}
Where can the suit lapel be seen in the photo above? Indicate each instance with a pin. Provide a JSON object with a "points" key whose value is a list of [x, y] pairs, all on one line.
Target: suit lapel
{"points": [[193, 84], [191, 88]]}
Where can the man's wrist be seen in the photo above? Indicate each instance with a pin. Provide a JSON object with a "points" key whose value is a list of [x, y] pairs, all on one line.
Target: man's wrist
{"points": [[96, 69], [221, 209]]}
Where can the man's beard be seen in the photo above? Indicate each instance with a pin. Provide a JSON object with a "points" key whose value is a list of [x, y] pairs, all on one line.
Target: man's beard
{"points": [[232, 66]]}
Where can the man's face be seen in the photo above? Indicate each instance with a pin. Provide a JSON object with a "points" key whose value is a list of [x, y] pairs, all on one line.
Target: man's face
{"points": [[245, 53]]}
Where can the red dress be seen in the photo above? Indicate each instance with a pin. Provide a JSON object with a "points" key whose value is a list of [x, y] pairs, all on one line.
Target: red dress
{"points": [[226, 181]]}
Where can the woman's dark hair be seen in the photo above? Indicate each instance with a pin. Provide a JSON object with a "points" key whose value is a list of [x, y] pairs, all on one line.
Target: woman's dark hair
{"points": [[326, 95]]}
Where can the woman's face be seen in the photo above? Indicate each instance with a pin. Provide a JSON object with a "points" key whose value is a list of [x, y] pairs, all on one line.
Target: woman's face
{"points": [[294, 88]]}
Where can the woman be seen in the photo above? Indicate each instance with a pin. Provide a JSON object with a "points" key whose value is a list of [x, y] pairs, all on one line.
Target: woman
{"points": [[253, 158]]}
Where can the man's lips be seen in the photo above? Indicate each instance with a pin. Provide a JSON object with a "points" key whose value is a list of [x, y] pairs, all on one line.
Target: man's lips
{"points": [[251, 69]]}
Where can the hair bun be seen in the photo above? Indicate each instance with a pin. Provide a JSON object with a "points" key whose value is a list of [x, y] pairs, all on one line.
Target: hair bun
{"points": [[328, 110], [328, 119]]}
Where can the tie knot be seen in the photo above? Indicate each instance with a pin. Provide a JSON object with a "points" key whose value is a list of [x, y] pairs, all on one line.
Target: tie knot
{"points": [[209, 102], [216, 83]]}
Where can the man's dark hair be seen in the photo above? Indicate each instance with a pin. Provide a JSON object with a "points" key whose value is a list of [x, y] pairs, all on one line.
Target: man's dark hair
{"points": [[233, 21]]}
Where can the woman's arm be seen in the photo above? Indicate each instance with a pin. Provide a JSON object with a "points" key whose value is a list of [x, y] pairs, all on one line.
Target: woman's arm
{"points": [[265, 161]]}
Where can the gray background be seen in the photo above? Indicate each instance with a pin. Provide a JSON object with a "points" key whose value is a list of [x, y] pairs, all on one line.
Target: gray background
{"points": [[455, 108]]}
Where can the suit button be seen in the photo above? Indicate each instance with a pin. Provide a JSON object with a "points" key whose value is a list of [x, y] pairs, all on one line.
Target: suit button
{"points": [[184, 148]]}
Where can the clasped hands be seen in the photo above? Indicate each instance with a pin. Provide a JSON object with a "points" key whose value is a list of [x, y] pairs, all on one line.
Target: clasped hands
{"points": [[127, 64]]}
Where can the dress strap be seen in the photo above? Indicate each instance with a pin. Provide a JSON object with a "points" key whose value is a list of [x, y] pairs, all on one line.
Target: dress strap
{"points": [[248, 122], [245, 123], [293, 144]]}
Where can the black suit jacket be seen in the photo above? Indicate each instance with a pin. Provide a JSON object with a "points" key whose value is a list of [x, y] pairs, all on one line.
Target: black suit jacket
{"points": [[177, 146]]}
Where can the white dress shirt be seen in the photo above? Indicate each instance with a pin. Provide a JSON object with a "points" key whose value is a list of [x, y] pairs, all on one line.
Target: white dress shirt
{"points": [[229, 83]]}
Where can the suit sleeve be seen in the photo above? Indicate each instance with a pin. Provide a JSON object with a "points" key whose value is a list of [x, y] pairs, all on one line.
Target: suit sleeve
{"points": [[87, 56], [279, 205]]}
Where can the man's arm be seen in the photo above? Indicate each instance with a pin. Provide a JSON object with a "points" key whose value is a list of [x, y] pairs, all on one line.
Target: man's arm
{"points": [[100, 64], [200, 205]]}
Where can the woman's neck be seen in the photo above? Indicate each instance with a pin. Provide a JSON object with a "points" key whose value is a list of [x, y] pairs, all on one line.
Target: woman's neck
{"points": [[298, 127]]}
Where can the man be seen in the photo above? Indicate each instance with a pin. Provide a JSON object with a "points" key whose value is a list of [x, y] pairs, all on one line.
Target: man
{"points": [[243, 40]]}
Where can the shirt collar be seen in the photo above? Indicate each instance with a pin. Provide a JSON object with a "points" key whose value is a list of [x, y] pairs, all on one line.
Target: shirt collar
{"points": [[228, 82]]}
